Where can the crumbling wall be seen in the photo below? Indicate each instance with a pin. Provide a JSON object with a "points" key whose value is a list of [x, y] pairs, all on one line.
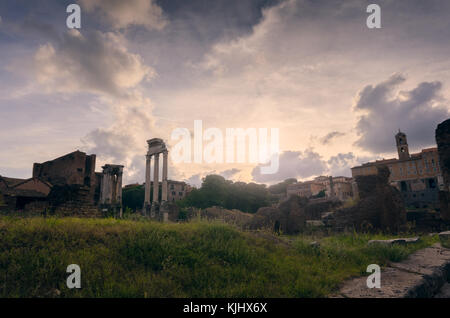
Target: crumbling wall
{"points": [[443, 143], [288, 217], [76, 209], [315, 210], [380, 206], [72, 200]]}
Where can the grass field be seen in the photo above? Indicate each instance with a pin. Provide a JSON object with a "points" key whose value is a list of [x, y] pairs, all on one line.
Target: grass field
{"points": [[123, 258]]}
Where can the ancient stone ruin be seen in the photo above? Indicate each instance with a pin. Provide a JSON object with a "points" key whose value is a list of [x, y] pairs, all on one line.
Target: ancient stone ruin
{"points": [[443, 143], [111, 189], [153, 208], [380, 206], [65, 186], [288, 217]]}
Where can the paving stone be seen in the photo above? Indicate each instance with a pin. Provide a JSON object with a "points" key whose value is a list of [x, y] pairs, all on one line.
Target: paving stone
{"points": [[395, 283], [422, 274], [427, 261]]}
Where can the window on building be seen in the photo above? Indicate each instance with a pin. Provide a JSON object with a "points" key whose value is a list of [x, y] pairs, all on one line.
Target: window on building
{"points": [[403, 186], [432, 183]]}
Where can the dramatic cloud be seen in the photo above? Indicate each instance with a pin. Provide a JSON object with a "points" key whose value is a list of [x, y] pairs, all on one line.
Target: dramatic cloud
{"points": [[123, 142], [122, 14], [295, 65], [385, 109], [293, 164], [325, 140], [100, 64], [96, 62]]}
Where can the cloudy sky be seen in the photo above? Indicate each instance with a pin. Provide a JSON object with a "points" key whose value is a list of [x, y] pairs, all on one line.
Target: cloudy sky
{"points": [[336, 90]]}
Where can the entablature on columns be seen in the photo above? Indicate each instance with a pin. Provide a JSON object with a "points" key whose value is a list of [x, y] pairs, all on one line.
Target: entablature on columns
{"points": [[113, 169], [155, 146]]}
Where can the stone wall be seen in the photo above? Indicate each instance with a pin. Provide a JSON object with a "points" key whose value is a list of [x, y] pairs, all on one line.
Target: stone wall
{"points": [[443, 143], [76, 209], [75, 168], [288, 217], [380, 206], [36, 208]]}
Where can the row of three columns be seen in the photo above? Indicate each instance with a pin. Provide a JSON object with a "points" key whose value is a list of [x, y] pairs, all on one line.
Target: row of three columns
{"points": [[155, 179]]}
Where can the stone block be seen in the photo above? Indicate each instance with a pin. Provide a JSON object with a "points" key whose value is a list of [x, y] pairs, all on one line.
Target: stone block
{"points": [[444, 237]]}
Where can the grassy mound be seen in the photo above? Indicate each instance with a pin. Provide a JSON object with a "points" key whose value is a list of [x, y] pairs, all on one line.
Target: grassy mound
{"points": [[121, 258]]}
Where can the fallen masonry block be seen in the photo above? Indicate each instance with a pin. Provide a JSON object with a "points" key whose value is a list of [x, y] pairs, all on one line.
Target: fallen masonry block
{"points": [[412, 240], [444, 237], [314, 223]]}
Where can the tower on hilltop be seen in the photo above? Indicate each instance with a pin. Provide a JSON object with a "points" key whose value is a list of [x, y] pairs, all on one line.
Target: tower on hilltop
{"points": [[402, 146]]}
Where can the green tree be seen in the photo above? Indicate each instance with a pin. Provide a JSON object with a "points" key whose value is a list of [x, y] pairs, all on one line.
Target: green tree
{"points": [[281, 187], [133, 197], [217, 191]]}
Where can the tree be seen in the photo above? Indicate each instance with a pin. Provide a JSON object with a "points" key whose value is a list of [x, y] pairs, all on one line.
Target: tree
{"points": [[133, 197], [217, 191], [281, 187]]}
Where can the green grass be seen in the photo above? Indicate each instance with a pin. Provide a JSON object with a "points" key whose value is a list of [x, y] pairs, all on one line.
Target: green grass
{"points": [[124, 258]]}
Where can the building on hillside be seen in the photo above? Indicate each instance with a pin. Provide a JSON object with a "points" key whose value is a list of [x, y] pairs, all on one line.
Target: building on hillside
{"points": [[418, 176], [305, 189], [177, 190], [339, 188]]}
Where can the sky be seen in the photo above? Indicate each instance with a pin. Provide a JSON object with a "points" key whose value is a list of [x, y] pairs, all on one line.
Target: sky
{"points": [[336, 90]]}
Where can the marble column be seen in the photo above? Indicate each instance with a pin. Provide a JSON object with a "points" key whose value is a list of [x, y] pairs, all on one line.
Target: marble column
{"points": [[102, 190], [155, 179], [113, 188], [119, 188], [147, 183], [119, 193], [164, 178], [106, 188]]}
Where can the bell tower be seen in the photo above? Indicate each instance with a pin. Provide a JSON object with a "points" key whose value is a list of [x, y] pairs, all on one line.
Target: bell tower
{"points": [[402, 146]]}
